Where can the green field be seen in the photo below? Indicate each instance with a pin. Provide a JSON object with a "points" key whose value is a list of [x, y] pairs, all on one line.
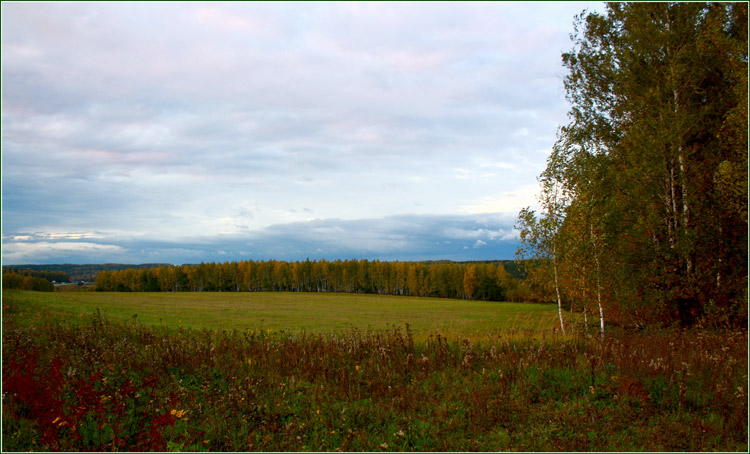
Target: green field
{"points": [[292, 312]]}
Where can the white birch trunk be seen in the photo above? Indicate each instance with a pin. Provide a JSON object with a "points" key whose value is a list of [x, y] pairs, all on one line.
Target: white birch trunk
{"points": [[598, 285], [557, 288]]}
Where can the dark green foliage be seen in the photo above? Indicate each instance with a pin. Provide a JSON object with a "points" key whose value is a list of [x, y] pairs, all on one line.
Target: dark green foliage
{"points": [[489, 290]]}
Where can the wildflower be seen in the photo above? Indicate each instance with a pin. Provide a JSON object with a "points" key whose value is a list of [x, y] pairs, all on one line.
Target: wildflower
{"points": [[591, 390], [356, 367], [60, 422], [399, 434], [384, 445], [249, 361]]}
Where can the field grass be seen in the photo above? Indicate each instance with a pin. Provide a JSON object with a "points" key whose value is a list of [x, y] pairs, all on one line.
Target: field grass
{"points": [[80, 373], [295, 312]]}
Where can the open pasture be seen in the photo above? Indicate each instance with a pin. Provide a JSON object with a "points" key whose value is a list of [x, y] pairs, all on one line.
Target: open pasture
{"points": [[292, 312]]}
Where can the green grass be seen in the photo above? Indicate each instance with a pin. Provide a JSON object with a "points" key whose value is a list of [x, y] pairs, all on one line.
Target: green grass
{"points": [[294, 312]]}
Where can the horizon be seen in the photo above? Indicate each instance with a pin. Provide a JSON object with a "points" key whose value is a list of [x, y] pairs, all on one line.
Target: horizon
{"points": [[213, 132], [11, 266]]}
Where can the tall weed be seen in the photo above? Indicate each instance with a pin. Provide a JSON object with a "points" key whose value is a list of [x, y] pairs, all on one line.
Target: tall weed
{"points": [[128, 387]]}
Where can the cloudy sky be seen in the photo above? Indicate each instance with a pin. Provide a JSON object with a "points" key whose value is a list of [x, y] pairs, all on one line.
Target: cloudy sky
{"points": [[187, 132]]}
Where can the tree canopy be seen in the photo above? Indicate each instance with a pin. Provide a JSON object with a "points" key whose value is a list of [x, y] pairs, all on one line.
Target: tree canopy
{"points": [[652, 165]]}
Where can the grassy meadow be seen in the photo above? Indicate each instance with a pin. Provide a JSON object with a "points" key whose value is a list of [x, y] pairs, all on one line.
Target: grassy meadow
{"points": [[293, 312], [322, 372]]}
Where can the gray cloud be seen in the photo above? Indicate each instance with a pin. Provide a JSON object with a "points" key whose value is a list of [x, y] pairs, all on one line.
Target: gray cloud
{"points": [[179, 121], [407, 237]]}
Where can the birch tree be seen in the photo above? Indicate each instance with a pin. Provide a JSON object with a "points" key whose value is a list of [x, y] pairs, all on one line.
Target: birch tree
{"points": [[658, 96], [540, 235]]}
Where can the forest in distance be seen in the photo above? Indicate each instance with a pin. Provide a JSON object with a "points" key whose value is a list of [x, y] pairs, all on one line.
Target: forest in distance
{"points": [[73, 272], [483, 280]]}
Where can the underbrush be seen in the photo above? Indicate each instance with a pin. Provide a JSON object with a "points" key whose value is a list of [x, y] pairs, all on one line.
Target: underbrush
{"points": [[127, 387]]}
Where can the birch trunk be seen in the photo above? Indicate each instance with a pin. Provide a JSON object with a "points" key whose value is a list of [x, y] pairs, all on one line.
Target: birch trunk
{"points": [[557, 288], [685, 209], [598, 284]]}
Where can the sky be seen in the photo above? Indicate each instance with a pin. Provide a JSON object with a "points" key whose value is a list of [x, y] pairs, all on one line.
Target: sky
{"points": [[178, 133]]}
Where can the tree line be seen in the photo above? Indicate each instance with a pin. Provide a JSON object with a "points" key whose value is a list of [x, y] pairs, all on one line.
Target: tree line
{"points": [[482, 281], [644, 198], [77, 272], [13, 280], [52, 276]]}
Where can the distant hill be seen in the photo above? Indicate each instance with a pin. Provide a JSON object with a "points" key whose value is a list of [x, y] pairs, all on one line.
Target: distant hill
{"points": [[84, 272], [52, 276]]}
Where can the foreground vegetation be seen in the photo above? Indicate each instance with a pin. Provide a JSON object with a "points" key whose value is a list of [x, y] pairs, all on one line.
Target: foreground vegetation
{"points": [[96, 384]]}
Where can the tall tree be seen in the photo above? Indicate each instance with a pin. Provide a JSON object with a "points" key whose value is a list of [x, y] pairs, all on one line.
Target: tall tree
{"points": [[654, 157]]}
